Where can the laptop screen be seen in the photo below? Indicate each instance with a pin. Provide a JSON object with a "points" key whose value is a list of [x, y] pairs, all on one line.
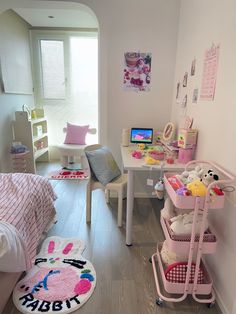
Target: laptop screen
{"points": [[141, 135]]}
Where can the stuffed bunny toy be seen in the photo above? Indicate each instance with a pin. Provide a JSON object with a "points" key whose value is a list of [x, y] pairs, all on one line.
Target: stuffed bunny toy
{"points": [[61, 280]]}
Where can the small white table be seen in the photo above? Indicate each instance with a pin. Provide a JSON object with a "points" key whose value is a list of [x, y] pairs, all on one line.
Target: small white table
{"points": [[132, 164]]}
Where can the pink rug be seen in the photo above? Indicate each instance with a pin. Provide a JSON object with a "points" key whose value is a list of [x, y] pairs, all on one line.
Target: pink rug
{"points": [[69, 174], [61, 280]]}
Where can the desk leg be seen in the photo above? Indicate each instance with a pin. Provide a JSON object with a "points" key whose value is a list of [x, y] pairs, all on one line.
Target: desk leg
{"points": [[129, 209]]}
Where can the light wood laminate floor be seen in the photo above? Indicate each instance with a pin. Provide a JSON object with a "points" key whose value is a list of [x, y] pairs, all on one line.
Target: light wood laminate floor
{"points": [[125, 282]]}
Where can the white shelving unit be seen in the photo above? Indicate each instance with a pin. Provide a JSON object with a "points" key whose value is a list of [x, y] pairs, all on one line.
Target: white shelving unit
{"points": [[32, 132], [195, 244]]}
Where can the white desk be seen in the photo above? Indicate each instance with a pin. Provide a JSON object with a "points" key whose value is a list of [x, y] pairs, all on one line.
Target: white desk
{"points": [[132, 164]]}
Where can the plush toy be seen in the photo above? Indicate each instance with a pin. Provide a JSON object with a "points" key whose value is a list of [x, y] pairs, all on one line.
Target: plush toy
{"points": [[183, 224], [170, 257], [168, 210], [183, 191], [137, 154], [209, 177], [151, 161], [159, 189], [190, 176], [197, 188]]}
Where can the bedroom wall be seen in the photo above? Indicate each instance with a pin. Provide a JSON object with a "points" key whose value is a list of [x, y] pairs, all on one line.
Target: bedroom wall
{"points": [[201, 24], [130, 26], [10, 25]]}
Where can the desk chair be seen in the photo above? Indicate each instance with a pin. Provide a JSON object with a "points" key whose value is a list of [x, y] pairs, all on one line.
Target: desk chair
{"points": [[119, 184], [68, 152]]}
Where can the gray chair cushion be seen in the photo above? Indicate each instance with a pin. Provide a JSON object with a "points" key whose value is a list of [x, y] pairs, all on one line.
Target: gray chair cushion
{"points": [[103, 165]]}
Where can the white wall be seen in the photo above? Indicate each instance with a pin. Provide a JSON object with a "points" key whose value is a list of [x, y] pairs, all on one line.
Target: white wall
{"points": [[201, 24], [12, 25]]}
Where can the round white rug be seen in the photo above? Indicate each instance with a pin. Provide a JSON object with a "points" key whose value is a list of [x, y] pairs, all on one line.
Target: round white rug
{"points": [[61, 280]]}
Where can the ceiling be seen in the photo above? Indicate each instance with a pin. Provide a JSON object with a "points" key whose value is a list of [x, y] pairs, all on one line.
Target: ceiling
{"points": [[50, 17]]}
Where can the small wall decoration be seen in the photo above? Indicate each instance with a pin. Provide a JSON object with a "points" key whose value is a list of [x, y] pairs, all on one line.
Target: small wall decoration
{"points": [[177, 91], [195, 95], [193, 67], [209, 75], [185, 80], [184, 101], [137, 71]]}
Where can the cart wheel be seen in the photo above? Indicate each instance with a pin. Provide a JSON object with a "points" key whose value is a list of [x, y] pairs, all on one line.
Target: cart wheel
{"points": [[210, 305], [159, 301], [150, 260]]}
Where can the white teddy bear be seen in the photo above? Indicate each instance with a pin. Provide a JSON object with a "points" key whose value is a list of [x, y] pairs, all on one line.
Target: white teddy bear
{"points": [[190, 176], [183, 224]]}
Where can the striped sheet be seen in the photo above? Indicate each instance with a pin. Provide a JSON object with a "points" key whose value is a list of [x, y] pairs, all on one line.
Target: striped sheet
{"points": [[27, 203]]}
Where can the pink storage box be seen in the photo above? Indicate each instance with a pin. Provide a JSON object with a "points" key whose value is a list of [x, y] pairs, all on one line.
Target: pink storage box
{"points": [[186, 202], [185, 155]]}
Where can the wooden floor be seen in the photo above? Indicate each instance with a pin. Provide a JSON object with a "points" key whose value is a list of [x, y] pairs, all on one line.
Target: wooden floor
{"points": [[125, 282]]}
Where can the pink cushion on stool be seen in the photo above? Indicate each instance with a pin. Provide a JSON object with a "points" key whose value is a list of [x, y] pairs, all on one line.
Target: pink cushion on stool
{"points": [[75, 134]]}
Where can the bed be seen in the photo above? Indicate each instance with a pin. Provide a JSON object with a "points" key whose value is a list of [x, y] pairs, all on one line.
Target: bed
{"points": [[26, 212]]}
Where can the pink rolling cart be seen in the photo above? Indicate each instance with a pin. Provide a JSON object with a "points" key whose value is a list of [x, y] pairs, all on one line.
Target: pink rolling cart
{"points": [[186, 278]]}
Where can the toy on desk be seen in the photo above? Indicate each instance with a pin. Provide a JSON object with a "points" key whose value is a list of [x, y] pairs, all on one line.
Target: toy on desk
{"points": [[157, 137], [137, 154], [159, 189], [156, 154], [142, 146], [151, 161]]}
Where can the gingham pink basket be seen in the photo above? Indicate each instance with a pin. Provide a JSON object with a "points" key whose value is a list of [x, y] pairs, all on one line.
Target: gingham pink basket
{"points": [[176, 273]]}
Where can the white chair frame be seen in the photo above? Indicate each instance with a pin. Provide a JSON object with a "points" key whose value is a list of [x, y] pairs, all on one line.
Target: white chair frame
{"points": [[119, 185]]}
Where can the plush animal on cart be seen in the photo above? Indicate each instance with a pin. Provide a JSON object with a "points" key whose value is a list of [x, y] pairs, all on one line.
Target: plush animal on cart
{"points": [[190, 176], [209, 177]]}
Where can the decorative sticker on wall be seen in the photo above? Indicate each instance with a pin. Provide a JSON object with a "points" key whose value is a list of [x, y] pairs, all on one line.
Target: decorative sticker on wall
{"points": [[195, 95], [209, 75], [185, 79], [184, 101], [137, 71], [177, 93]]}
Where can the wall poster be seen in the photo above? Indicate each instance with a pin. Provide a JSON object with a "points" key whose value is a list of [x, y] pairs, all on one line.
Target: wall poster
{"points": [[137, 71], [209, 75]]}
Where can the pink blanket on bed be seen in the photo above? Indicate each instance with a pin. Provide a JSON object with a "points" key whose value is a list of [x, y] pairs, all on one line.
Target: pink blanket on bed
{"points": [[27, 202]]}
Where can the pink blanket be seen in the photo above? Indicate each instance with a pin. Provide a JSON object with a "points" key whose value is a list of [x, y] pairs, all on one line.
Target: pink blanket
{"points": [[27, 203]]}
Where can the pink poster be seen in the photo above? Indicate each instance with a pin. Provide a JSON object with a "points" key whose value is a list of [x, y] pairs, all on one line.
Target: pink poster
{"points": [[209, 75], [137, 71]]}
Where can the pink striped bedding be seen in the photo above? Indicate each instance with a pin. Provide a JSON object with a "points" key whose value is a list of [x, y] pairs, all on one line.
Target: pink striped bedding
{"points": [[27, 203]]}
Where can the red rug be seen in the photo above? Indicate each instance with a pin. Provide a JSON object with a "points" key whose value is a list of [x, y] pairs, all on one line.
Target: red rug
{"points": [[69, 174]]}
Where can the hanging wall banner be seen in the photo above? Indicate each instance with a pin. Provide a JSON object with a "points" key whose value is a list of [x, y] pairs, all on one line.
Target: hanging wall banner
{"points": [[137, 71], [209, 75]]}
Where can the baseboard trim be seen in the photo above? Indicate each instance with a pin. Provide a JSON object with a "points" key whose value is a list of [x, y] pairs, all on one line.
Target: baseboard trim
{"points": [[220, 302]]}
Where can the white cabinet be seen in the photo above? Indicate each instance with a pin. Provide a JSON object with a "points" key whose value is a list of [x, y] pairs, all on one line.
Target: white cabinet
{"points": [[32, 132]]}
